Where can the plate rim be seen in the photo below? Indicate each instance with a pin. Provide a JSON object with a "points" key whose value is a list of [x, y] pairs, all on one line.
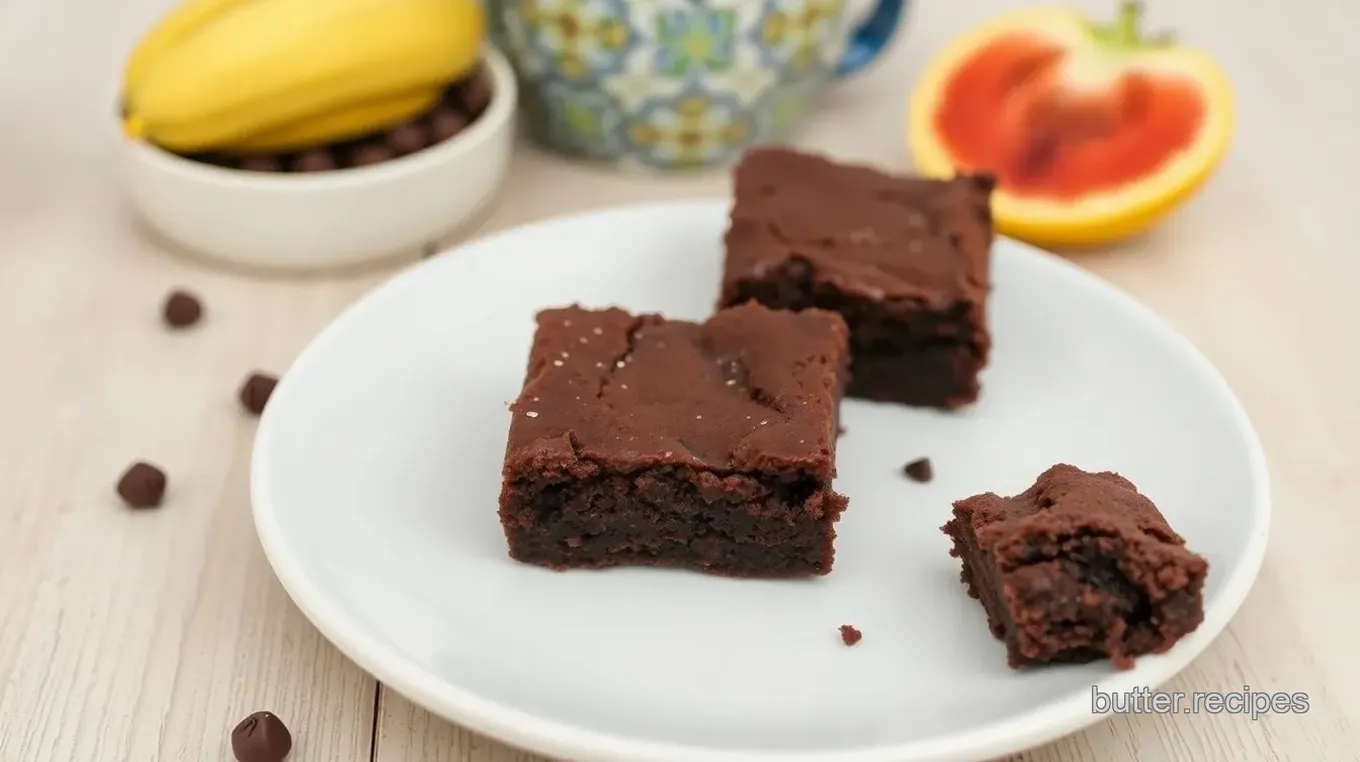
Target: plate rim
{"points": [[1043, 724]]}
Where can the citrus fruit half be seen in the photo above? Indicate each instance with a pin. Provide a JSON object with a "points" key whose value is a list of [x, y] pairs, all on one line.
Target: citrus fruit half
{"points": [[1094, 132]]}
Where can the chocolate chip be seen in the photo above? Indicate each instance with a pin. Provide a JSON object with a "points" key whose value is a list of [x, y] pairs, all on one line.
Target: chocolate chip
{"points": [[371, 153], [181, 309], [261, 737], [255, 392], [261, 164], [142, 486], [474, 93], [919, 470], [314, 161], [850, 635], [840, 431], [984, 181], [408, 138], [446, 123]]}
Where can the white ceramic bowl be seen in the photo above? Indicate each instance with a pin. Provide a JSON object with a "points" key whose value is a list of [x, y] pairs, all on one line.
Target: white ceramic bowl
{"points": [[327, 219]]}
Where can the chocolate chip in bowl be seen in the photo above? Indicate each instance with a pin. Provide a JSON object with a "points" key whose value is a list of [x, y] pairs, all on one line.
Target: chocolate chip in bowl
{"points": [[383, 195], [462, 104], [411, 137], [316, 160]]}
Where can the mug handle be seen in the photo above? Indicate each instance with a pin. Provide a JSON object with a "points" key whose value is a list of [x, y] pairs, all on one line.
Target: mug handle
{"points": [[871, 37]]}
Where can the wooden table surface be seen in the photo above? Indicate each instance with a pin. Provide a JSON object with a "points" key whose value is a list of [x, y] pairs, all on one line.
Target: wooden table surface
{"points": [[145, 636]]}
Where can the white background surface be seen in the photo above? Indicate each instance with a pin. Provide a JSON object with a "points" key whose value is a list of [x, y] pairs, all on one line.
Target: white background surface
{"points": [[147, 637]]}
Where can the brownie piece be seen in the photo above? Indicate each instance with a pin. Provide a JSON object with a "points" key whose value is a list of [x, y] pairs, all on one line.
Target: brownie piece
{"points": [[904, 260], [639, 440], [1078, 567]]}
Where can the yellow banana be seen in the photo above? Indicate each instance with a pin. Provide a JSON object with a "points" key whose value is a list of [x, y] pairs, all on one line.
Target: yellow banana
{"points": [[342, 124], [173, 28], [272, 63]]}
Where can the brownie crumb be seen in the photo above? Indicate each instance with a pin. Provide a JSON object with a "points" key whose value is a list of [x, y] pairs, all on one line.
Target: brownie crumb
{"points": [[850, 635], [261, 737], [919, 470], [181, 309], [255, 392], [142, 486]]}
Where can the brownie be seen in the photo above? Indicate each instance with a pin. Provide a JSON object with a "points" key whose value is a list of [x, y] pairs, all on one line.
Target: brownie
{"points": [[711, 446], [1078, 567], [904, 260]]}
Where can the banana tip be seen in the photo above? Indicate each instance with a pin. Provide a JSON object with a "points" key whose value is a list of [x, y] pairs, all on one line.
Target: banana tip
{"points": [[134, 127]]}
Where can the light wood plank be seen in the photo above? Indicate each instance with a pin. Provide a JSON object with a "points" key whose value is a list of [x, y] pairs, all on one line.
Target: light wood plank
{"points": [[133, 636]]}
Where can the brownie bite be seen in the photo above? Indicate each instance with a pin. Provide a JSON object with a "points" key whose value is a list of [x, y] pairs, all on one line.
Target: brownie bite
{"points": [[1078, 567], [904, 260], [639, 440]]}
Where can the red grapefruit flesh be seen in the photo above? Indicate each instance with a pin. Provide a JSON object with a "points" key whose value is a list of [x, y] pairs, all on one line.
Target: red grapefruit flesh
{"points": [[1008, 109]]}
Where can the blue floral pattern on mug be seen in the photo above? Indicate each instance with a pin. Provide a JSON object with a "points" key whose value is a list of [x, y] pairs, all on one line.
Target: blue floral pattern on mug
{"points": [[578, 40], [797, 36], [694, 130], [695, 40], [670, 84]]}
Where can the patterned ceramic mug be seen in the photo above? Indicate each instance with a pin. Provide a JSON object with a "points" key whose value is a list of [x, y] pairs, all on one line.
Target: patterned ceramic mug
{"points": [[671, 84]]}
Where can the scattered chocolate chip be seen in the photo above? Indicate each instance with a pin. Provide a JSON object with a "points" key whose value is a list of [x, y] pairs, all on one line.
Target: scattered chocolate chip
{"points": [[919, 470], [261, 737], [850, 635], [371, 153], [181, 309], [142, 486], [314, 161], [261, 164], [474, 93], [255, 392], [446, 123], [408, 138]]}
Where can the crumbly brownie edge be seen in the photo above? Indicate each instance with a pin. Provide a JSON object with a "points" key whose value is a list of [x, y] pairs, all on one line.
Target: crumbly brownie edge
{"points": [[1104, 581], [977, 573], [736, 526], [1083, 566]]}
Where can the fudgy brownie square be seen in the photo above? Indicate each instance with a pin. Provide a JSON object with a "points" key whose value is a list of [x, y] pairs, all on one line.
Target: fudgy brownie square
{"points": [[904, 260], [639, 440], [1078, 567]]}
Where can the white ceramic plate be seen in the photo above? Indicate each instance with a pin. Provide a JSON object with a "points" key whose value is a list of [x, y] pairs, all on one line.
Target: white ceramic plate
{"points": [[377, 469]]}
